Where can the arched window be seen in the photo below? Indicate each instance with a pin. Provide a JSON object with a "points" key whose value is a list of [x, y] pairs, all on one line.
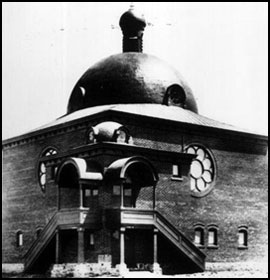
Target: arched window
{"points": [[242, 237], [202, 170], [42, 170], [199, 235], [175, 96], [122, 135], [19, 238], [212, 236]]}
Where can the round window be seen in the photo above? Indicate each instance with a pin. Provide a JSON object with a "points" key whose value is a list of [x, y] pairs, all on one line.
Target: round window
{"points": [[202, 170]]}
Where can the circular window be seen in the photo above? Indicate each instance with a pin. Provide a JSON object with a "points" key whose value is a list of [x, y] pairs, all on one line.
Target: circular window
{"points": [[42, 168], [202, 170]]}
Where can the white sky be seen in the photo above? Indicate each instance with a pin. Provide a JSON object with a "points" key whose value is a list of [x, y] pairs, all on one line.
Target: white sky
{"points": [[221, 49]]}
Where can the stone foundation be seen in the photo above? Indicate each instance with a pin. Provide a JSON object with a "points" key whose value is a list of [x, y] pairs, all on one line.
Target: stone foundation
{"points": [[12, 267], [82, 270]]}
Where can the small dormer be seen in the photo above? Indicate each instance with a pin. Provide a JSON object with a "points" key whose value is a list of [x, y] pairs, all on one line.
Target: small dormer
{"points": [[109, 132]]}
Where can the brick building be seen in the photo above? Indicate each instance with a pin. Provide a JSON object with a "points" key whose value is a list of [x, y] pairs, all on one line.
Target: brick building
{"points": [[133, 177]]}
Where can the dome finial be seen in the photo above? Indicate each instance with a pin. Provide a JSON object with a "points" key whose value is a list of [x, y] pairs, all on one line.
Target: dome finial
{"points": [[132, 24], [132, 6]]}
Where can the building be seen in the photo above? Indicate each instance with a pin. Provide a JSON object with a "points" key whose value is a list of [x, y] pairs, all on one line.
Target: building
{"points": [[133, 177]]}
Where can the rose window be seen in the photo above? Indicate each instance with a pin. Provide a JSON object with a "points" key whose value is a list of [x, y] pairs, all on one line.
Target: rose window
{"points": [[202, 170]]}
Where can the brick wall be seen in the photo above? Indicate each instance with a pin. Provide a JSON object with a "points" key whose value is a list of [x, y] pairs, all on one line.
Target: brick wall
{"points": [[239, 197]]}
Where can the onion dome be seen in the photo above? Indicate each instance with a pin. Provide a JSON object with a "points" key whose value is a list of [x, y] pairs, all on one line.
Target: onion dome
{"points": [[132, 24]]}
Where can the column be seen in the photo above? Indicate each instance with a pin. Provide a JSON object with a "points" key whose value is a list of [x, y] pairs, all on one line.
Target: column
{"points": [[154, 197], [57, 246], [122, 245], [81, 196], [122, 194], [122, 267], [58, 197], [156, 267], [80, 245]]}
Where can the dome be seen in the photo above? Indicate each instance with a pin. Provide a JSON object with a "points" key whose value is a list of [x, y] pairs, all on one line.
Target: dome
{"points": [[129, 78]]}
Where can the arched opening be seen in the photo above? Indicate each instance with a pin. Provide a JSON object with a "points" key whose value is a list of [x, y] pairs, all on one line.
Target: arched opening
{"points": [[138, 186], [69, 190], [133, 183], [78, 183]]}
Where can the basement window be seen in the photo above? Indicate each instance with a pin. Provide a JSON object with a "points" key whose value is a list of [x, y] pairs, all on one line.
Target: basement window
{"points": [[212, 237], [242, 238], [19, 238], [199, 236]]}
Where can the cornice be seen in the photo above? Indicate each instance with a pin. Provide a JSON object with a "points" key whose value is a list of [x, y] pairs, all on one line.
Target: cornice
{"points": [[132, 119], [108, 148]]}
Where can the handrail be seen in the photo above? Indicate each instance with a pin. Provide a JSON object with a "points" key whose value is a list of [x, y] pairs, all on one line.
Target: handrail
{"points": [[44, 230], [137, 211], [179, 234], [48, 231], [179, 237]]}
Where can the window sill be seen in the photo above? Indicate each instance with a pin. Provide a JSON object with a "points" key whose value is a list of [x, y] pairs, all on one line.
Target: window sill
{"points": [[180, 179], [212, 247], [84, 208], [199, 246], [242, 247]]}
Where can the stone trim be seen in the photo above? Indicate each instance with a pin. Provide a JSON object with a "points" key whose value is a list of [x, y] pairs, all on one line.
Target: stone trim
{"points": [[12, 267]]}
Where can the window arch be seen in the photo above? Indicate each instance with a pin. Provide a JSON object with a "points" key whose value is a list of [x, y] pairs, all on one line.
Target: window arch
{"points": [[199, 235], [42, 169], [212, 240], [202, 170], [242, 237], [19, 238], [175, 96]]}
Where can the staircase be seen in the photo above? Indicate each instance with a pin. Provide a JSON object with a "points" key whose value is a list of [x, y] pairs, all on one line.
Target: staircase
{"points": [[41, 242], [153, 217], [180, 241], [68, 218]]}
